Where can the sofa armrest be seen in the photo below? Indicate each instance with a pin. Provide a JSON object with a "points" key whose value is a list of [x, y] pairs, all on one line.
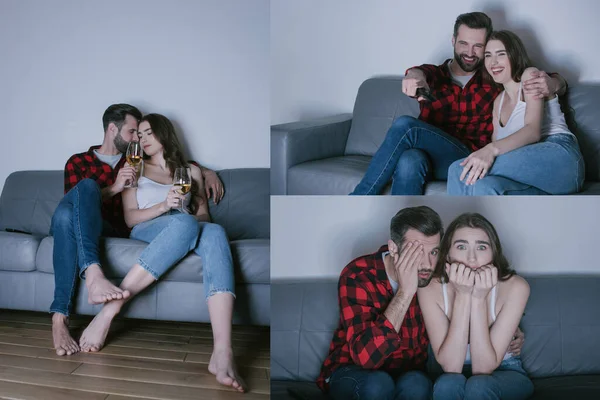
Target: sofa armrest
{"points": [[298, 142]]}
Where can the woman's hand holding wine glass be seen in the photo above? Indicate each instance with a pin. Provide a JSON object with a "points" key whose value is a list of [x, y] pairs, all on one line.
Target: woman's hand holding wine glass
{"points": [[182, 179]]}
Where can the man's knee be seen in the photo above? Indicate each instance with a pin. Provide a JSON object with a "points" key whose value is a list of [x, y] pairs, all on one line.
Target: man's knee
{"points": [[62, 217], [412, 162], [404, 121], [449, 386], [480, 387], [414, 385], [378, 385], [88, 186]]}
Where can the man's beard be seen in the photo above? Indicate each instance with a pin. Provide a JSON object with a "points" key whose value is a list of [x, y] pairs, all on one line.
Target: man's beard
{"points": [[465, 67], [120, 143], [425, 281]]}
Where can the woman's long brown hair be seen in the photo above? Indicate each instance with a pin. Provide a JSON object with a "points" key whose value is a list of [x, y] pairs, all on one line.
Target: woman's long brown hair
{"points": [[475, 221]]}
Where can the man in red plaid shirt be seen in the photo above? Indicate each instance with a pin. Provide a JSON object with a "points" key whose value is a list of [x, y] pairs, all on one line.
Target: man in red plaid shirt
{"points": [[379, 349], [452, 124], [92, 207]]}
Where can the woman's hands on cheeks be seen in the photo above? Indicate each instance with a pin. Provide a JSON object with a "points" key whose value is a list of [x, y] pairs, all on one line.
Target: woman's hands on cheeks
{"points": [[477, 282]]}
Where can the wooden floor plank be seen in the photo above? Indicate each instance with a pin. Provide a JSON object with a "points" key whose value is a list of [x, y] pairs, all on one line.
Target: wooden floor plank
{"points": [[13, 391], [205, 358], [128, 362], [143, 359], [168, 378], [120, 387], [64, 367]]}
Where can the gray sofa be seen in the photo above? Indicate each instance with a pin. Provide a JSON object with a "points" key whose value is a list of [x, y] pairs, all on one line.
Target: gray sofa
{"points": [[28, 201], [329, 156], [561, 325]]}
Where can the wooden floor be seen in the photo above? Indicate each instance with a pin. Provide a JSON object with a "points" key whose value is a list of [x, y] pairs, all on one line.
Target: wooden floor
{"points": [[142, 360]]}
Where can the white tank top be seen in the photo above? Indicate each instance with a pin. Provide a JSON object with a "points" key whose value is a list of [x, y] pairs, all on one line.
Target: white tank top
{"points": [[150, 193], [553, 120], [492, 313]]}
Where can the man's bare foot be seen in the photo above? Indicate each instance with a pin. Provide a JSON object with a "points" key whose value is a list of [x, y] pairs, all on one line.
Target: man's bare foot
{"points": [[93, 337], [63, 342], [223, 367], [101, 290]]}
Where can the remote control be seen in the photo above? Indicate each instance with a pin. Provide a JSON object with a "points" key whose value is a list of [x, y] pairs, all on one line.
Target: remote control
{"points": [[422, 92]]}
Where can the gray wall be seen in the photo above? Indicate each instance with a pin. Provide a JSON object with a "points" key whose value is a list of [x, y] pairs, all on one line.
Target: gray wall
{"points": [[315, 237], [322, 51], [202, 63]]}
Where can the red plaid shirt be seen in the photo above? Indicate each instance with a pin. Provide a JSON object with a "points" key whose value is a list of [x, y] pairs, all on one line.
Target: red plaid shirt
{"points": [[87, 165], [364, 336], [465, 113]]}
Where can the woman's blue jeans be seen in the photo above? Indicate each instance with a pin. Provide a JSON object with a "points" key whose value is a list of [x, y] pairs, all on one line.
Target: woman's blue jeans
{"points": [[172, 236], [552, 166]]}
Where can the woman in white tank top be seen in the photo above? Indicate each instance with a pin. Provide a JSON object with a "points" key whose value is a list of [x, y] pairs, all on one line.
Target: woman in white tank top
{"points": [[472, 308], [532, 150], [152, 209]]}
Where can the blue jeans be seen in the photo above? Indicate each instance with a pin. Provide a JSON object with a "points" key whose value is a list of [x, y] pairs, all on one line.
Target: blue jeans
{"points": [[351, 382], [552, 166], [76, 226], [508, 382], [175, 234], [411, 152]]}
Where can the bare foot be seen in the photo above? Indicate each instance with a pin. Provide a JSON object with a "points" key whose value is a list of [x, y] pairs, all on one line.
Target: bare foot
{"points": [[63, 342], [93, 337], [223, 367], [101, 290]]}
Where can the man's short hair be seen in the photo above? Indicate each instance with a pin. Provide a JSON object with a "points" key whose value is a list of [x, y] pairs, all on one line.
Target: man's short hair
{"points": [[422, 219], [117, 113], [474, 20]]}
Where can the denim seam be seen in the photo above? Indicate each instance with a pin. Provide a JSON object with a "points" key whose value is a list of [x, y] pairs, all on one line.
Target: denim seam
{"points": [[212, 292], [147, 268]]}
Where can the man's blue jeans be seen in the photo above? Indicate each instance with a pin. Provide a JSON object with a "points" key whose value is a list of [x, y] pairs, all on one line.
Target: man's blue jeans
{"points": [[351, 382], [552, 166], [76, 227], [171, 236], [410, 154]]}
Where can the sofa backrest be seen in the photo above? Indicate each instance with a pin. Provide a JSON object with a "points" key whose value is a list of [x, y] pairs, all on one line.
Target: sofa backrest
{"points": [[562, 333], [29, 199], [380, 101]]}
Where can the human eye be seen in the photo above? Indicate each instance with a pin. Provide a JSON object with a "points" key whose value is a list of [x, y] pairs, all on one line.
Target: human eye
{"points": [[435, 252], [461, 247], [482, 247]]}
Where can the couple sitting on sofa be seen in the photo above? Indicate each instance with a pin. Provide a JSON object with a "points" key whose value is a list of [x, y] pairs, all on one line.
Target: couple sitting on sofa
{"points": [[453, 291], [497, 130], [97, 203]]}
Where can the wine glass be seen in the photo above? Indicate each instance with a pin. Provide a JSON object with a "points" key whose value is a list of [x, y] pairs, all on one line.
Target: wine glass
{"points": [[134, 158], [183, 179]]}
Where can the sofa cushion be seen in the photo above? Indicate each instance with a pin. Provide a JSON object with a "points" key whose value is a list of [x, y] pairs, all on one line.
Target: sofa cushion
{"points": [[17, 251], [338, 176], [561, 325], [378, 103], [251, 258], [584, 387], [582, 115], [29, 199]]}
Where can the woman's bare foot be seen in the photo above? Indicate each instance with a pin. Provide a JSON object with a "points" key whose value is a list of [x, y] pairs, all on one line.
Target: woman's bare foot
{"points": [[93, 337], [100, 289], [63, 342], [223, 367]]}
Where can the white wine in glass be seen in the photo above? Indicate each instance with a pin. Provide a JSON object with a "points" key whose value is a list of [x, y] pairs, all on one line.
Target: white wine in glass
{"points": [[182, 178], [134, 158]]}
